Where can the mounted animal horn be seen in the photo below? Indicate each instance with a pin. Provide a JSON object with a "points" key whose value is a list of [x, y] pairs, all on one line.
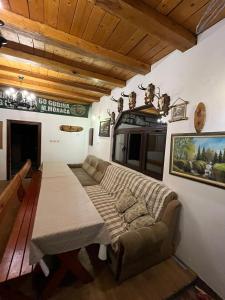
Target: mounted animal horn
{"points": [[124, 95], [113, 99], [132, 99], [149, 93], [120, 103], [140, 86]]}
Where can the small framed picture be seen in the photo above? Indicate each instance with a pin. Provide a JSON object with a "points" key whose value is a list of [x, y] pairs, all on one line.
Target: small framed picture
{"points": [[104, 129], [178, 112]]}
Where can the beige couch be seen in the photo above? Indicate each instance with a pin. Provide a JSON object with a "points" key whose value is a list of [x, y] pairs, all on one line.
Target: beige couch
{"points": [[91, 171], [132, 251]]}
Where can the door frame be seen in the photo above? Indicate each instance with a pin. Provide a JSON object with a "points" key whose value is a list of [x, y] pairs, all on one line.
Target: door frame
{"points": [[8, 155]]}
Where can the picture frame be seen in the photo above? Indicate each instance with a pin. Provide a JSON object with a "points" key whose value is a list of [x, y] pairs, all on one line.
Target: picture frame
{"points": [[199, 157], [104, 128], [179, 112]]}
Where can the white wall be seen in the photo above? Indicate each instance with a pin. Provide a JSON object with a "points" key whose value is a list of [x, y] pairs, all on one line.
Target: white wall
{"points": [[196, 75], [55, 144]]}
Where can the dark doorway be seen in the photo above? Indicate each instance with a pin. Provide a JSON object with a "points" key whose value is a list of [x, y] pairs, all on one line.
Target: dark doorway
{"points": [[23, 142]]}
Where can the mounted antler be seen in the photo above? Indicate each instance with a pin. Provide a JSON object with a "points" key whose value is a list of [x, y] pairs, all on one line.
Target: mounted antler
{"points": [[124, 95], [120, 103], [113, 99], [112, 116], [132, 99], [164, 105], [149, 93], [140, 86]]}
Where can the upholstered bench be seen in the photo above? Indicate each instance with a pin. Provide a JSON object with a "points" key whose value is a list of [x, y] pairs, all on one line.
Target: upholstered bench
{"points": [[133, 250]]}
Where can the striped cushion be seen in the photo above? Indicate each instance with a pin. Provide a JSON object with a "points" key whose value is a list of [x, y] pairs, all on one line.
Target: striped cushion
{"points": [[105, 204], [156, 194]]}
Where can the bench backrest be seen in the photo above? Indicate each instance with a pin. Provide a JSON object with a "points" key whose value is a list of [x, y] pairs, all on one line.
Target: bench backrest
{"points": [[25, 169], [23, 173], [9, 205], [10, 192], [156, 194]]}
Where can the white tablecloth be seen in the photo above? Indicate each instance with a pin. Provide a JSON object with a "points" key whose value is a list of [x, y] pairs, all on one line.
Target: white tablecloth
{"points": [[66, 219]]}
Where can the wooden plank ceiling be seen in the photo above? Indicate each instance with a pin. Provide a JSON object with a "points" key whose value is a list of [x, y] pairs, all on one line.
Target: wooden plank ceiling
{"points": [[79, 50]]}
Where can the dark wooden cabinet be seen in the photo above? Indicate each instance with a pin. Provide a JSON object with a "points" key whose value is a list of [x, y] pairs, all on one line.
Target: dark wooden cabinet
{"points": [[141, 149]]}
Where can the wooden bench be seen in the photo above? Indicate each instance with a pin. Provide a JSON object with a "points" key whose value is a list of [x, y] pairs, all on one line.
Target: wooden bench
{"points": [[15, 260]]}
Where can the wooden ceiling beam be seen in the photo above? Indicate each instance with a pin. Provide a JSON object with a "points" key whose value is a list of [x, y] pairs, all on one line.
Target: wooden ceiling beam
{"points": [[54, 65], [151, 21], [70, 42], [64, 84], [9, 81], [80, 86]]}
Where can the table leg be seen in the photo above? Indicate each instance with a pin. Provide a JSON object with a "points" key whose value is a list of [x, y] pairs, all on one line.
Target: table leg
{"points": [[54, 282], [68, 262], [71, 261]]}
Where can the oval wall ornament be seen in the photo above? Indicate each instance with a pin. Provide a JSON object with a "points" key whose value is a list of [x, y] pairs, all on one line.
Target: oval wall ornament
{"points": [[69, 128], [200, 117]]}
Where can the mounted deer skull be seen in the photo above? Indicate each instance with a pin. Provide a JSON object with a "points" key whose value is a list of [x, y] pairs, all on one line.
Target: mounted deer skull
{"points": [[149, 93], [132, 99], [164, 105], [112, 117], [120, 103]]}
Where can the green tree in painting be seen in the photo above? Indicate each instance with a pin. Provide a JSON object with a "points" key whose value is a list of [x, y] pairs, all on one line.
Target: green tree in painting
{"points": [[184, 148], [199, 157], [215, 159], [224, 156], [220, 159], [209, 155], [204, 154]]}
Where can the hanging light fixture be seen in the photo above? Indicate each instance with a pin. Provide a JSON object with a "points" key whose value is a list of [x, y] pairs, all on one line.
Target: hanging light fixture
{"points": [[20, 98]]}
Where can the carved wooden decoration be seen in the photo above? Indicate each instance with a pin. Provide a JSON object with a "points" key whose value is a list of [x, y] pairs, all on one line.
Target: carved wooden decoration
{"points": [[200, 117], [69, 128]]}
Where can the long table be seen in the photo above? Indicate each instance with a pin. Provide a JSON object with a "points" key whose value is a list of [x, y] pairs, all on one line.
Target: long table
{"points": [[66, 219]]}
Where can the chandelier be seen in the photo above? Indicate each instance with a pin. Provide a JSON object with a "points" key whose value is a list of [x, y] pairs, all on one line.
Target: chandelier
{"points": [[20, 98]]}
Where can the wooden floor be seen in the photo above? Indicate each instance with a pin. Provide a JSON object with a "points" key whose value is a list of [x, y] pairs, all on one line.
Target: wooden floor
{"points": [[157, 283]]}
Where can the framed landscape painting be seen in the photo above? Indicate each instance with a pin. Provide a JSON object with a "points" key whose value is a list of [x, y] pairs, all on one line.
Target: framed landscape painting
{"points": [[199, 157]]}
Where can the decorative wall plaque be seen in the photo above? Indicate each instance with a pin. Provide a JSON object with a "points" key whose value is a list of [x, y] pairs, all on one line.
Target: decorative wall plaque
{"points": [[69, 128], [200, 117], [44, 105]]}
